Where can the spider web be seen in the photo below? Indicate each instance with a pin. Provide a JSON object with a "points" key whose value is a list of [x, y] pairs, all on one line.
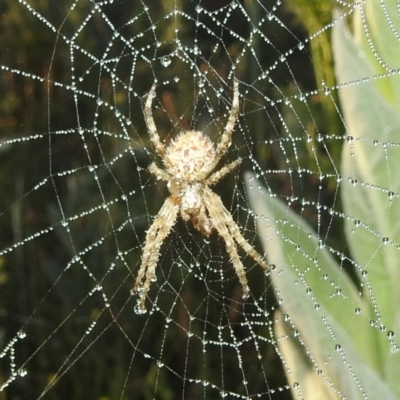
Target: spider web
{"points": [[77, 198]]}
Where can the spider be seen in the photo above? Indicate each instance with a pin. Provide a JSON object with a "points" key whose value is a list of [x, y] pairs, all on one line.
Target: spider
{"points": [[189, 162]]}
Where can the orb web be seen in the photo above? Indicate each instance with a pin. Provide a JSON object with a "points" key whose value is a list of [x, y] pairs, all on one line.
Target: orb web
{"points": [[316, 195]]}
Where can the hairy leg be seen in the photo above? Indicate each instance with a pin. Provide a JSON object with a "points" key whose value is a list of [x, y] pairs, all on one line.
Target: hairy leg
{"points": [[151, 126], [155, 236], [217, 210], [225, 140], [218, 175], [244, 244], [159, 173], [218, 216]]}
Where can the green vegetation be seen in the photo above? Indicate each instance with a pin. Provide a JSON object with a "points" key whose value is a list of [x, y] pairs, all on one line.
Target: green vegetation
{"points": [[340, 332]]}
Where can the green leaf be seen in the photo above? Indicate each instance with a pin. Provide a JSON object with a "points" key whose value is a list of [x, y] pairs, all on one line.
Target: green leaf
{"points": [[301, 374], [325, 316], [370, 187], [381, 46]]}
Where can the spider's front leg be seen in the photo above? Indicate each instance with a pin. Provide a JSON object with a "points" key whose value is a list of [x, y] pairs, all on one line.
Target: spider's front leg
{"points": [[155, 236], [151, 126], [226, 137], [159, 173], [218, 175]]}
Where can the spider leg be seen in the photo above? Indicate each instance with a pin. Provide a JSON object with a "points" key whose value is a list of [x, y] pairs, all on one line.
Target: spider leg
{"points": [[244, 244], [218, 175], [155, 236], [219, 216], [159, 173], [151, 126], [225, 140]]}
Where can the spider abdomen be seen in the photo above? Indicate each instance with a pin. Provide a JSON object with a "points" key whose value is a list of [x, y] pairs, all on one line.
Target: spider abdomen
{"points": [[191, 200], [190, 156], [192, 209]]}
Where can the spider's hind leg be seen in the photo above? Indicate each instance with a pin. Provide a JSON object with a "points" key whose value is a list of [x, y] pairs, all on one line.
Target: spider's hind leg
{"points": [[244, 244], [155, 236], [220, 218]]}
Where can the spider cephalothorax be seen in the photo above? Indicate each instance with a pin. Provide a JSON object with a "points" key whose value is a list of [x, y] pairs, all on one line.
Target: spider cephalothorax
{"points": [[189, 161]]}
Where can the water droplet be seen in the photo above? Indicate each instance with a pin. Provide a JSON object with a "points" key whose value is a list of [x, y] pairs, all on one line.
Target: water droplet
{"points": [[21, 334], [22, 372], [357, 310], [390, 334], [300, 46], [338, 347], [385, 240], [139, 309], [364, 273], [165, 61]]}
